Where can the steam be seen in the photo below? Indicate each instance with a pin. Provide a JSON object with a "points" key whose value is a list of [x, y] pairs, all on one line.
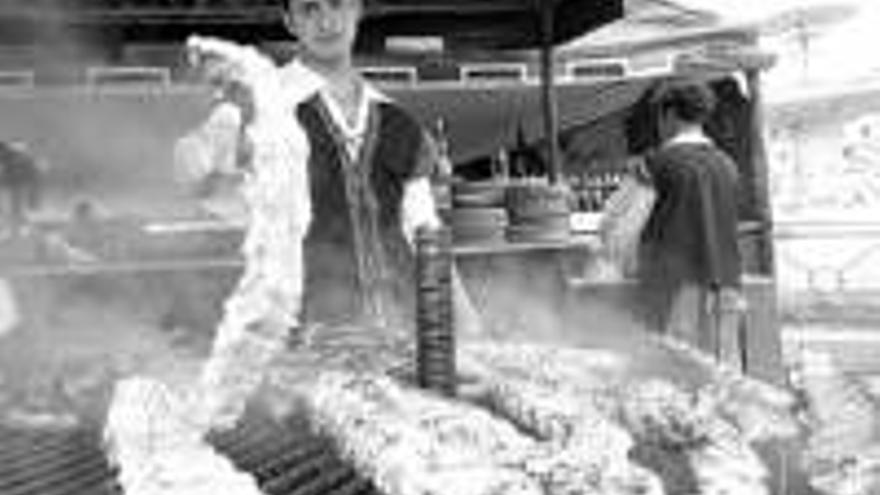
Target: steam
{"points": [[532, 306], [113, 146], [60, 45]]}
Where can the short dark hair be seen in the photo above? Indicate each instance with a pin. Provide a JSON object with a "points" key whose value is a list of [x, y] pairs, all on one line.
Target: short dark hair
{"points": [[692, 101], [284, 5]]}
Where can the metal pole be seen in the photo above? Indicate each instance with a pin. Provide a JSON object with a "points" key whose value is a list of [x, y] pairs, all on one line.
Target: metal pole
{"points": [[548, 90], [760, 181]]}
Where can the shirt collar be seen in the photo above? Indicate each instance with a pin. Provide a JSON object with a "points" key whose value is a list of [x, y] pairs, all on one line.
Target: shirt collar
{"points": [[300, 82], [690, 136], [369, 95]]}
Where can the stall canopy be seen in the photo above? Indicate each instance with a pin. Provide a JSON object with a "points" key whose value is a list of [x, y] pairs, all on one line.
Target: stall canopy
{"points": [[463, 24], [651, 22], [655, 38], [466, 25]]}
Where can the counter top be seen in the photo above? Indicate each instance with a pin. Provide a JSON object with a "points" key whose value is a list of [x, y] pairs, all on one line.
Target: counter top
{"points": [[153, 247], [62, 267], [585, 241]]}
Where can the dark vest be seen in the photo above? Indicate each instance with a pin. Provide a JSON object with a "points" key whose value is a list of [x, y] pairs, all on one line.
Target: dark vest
{"points": [[357, 262], [691, 235]]}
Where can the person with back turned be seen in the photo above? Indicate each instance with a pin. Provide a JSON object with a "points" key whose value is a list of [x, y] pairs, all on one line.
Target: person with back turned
{"points": [[689, 256]]}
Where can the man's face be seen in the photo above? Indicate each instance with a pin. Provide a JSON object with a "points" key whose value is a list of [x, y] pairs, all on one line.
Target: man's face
{"points": [[326, 29]]}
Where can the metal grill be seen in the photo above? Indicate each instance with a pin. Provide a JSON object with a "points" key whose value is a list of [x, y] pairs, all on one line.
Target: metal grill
{"points": [[34, 462], [289, 459], [285, 459]]}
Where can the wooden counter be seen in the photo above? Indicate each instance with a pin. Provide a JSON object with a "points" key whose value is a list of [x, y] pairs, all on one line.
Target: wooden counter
{"points": [[588, 241]]}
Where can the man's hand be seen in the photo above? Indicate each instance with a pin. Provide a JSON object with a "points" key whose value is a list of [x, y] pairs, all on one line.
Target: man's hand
{"points": [[418, 208]]}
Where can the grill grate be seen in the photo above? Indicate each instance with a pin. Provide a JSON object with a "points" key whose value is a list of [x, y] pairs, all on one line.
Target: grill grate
{"points": [[286, 459], [34, 462]]}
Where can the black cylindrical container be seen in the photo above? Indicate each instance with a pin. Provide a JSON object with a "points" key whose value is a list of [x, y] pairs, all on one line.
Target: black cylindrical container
{"points": [[435, 336]]}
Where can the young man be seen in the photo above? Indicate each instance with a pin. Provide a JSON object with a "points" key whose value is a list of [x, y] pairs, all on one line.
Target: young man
{"points": [[690, 260], [369, 172], [357, 189]]}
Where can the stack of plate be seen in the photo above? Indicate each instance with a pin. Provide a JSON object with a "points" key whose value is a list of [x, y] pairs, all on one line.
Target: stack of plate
{"points": [[435, 340], [476, 225], [479, 214], [481, 194], [539, 212]]}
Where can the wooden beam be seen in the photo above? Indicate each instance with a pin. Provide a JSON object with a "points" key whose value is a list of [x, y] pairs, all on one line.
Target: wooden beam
{"points": [[464, 24], [427, 7], [548, 87], [252, 10], [761, 171]]}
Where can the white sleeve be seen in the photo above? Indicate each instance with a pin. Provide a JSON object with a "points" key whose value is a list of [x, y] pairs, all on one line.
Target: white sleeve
{"points": [[210, 147], [10, 316], [419, 208]]}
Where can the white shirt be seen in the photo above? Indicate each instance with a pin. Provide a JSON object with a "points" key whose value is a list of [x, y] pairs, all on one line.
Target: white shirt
{"points": [[353, 135], [689, 136]]}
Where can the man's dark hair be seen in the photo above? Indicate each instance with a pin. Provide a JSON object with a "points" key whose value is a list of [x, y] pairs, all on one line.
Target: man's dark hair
{"points": [[284, 5], [692, 101]]}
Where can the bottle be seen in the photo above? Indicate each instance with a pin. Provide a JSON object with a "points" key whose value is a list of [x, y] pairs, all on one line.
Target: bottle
{"points": [[502, 162]]}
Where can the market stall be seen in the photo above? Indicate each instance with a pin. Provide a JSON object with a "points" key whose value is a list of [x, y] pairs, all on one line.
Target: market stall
{"points": [[534, 244], [638, 416]]}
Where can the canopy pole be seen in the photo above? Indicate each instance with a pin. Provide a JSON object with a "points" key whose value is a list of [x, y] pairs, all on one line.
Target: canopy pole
{"points": [[761, 171], [548, 90]]}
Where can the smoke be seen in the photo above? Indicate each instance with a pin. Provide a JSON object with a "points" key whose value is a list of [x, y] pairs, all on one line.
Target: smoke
{"points": [[60, 43], [522, 299], [113, 145]]}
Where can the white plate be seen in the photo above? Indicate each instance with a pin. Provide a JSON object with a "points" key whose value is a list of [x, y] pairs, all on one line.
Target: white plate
{"points": [[585, 221]]}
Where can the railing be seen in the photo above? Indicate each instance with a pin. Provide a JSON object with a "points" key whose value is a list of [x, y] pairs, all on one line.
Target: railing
{"points": [[592, 69], [494, 73], [16, 79], [390, 75], [137, 76], [836, 272]]}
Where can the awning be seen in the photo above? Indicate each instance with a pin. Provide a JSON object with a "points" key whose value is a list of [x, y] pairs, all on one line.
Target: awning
{"points": [[463, 24], [481, 120], [484, 24]]}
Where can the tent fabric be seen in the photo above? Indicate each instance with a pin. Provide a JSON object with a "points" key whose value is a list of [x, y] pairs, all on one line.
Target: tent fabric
{"points": [[480, 120], [693, 33], [647, 22]]}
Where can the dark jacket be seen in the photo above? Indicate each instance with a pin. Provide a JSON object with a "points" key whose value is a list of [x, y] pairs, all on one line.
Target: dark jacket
{"points": [[691, 235]]}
